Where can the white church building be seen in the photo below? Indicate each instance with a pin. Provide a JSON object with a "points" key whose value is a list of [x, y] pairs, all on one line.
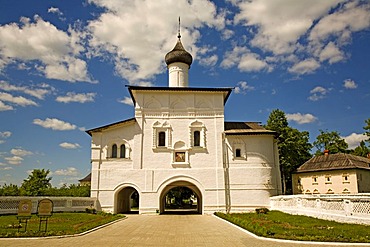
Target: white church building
{"points": [[179, 137]]}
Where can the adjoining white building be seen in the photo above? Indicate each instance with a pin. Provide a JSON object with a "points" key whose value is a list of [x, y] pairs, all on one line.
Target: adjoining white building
{"points": [[179, 137]]}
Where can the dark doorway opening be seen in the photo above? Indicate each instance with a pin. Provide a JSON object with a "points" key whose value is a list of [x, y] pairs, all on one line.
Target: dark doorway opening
{"points": [[127, 201]]}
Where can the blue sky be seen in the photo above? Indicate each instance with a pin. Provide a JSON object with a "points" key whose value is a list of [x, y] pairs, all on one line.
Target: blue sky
{"points": [[64, 66]]}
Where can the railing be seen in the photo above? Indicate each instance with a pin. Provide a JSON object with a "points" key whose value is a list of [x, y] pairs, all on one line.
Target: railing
{"points": [[342, 208], [9, 204]]}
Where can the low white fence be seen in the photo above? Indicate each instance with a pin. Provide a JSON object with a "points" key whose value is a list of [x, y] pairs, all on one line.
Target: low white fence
{"points": [[9, 204], [342, 208]]}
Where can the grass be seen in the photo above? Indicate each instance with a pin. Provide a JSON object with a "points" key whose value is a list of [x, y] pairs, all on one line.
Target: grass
{"points": [[280, 225], [58, 224]]}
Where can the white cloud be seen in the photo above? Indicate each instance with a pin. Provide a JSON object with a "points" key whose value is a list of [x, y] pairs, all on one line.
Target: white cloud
{"points": [[209, 61], [127, 101], [144, 30], [350, 84], [20, 152], [68, 145], [18, 100], [331, 53], [15, 160], [306, 66], [5, 134], [246, 60], [354, 139], [39, 92], [76, 97], [243, 87], [70, 171], [301, 118], [54, 124], [280, 23], [57, 51], [55, 11], [4, 107], [317, 93]]}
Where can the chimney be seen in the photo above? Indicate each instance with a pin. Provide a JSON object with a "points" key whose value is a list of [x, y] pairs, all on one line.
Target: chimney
{"points": [[326, 152]]}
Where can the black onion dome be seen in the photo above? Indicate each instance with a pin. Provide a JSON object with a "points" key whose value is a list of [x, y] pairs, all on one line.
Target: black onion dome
{"points": [[178, 54]]}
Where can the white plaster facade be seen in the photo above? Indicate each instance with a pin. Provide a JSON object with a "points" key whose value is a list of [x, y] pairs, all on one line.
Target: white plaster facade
{"points": [[233, 170]]}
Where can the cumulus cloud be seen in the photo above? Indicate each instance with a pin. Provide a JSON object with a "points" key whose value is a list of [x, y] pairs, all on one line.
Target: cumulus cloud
{"points": [[127, 101], [14, 160], [350, 84], [5, 134], [76, 97], [70, 171], [17, 100], [4, 107], [39, 91], [306, 66], [54, 124], [58, 51], [209, 61], [144, 31], [318, 93], [301, 118], [243, 87], [20, 152], [353, 140], [68, 145]]}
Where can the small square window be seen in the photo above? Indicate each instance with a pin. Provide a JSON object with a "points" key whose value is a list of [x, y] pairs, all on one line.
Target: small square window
{"points": [[238, 153]]}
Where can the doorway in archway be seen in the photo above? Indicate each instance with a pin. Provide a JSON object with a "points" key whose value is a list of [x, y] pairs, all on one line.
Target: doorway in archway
{"points": [[181, 198], [127, 201]]}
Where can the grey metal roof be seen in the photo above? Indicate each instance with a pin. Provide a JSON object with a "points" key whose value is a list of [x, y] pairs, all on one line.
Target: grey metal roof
{"points": [[178, 54], [246, 128], [127, 121], [334, 162]]}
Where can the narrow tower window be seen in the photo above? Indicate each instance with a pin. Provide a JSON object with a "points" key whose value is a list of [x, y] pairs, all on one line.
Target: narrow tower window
{"points": [[238, 153], [197, 138], [122, 151], [162, 139], [114, 151]]}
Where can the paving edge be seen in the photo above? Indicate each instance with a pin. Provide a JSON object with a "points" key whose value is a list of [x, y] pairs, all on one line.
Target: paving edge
{"points": [[289, 241], [69, 236]]}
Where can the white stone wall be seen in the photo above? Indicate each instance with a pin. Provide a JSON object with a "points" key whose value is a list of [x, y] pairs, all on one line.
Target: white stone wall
{"points": [[149, 169]]}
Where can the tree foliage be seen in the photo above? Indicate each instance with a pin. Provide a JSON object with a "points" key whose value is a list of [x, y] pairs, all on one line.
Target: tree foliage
{"points": [[330, 141], [367, 129], [37, 183], [294, 147]]}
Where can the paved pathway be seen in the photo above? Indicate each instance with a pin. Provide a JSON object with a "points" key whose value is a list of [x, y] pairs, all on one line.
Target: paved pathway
{"points": [[160, 230]]}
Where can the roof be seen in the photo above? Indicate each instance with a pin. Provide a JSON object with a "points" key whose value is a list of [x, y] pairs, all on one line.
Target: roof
{"points": [[226, 91], [86, 179], [178, 54], [334, 162], [127, 121], [246, 128]]}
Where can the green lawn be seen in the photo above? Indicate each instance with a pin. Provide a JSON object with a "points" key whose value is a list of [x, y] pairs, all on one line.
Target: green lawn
{"points": [[58, 224], [279, 225]]}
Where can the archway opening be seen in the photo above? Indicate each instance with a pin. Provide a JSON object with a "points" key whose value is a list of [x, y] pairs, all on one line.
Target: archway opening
{"points": [[181, 198], [127, 201]]}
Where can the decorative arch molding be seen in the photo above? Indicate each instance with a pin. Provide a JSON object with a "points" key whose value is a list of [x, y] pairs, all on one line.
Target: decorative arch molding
{"points": [[153, 103], [121, 186], [122, 197], [203, 104], [239, 148], [162, 135], [178, 103]]}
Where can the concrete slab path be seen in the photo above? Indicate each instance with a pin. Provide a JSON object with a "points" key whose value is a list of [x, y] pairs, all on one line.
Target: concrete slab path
{"points": [[162, 230]]}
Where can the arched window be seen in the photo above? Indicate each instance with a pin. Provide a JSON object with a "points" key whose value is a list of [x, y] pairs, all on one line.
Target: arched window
{"points": [[122, 151], [114, 151], [162, 139], [197, 138]]}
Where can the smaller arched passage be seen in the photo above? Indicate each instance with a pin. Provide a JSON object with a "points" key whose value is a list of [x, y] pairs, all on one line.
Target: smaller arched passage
{"points": [[127, 201], [181, 184]]}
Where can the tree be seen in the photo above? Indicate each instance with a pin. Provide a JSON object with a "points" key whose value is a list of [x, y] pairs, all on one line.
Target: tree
{"points": [[367, 128], [294, 147], [330, 141], [37, 183], [9, 190], [361, 150]]}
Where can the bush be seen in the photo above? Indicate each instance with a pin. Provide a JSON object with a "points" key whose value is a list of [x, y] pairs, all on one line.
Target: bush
{"points": [[262, 210]]}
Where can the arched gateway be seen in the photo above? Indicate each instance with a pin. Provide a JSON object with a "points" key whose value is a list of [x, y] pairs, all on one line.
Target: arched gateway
{"points": [[163, 199], [127, 200]]}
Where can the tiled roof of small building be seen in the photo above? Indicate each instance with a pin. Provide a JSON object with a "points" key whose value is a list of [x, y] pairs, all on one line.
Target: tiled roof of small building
{"points": [[86, 179], [245, 128], [334, 162]]}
